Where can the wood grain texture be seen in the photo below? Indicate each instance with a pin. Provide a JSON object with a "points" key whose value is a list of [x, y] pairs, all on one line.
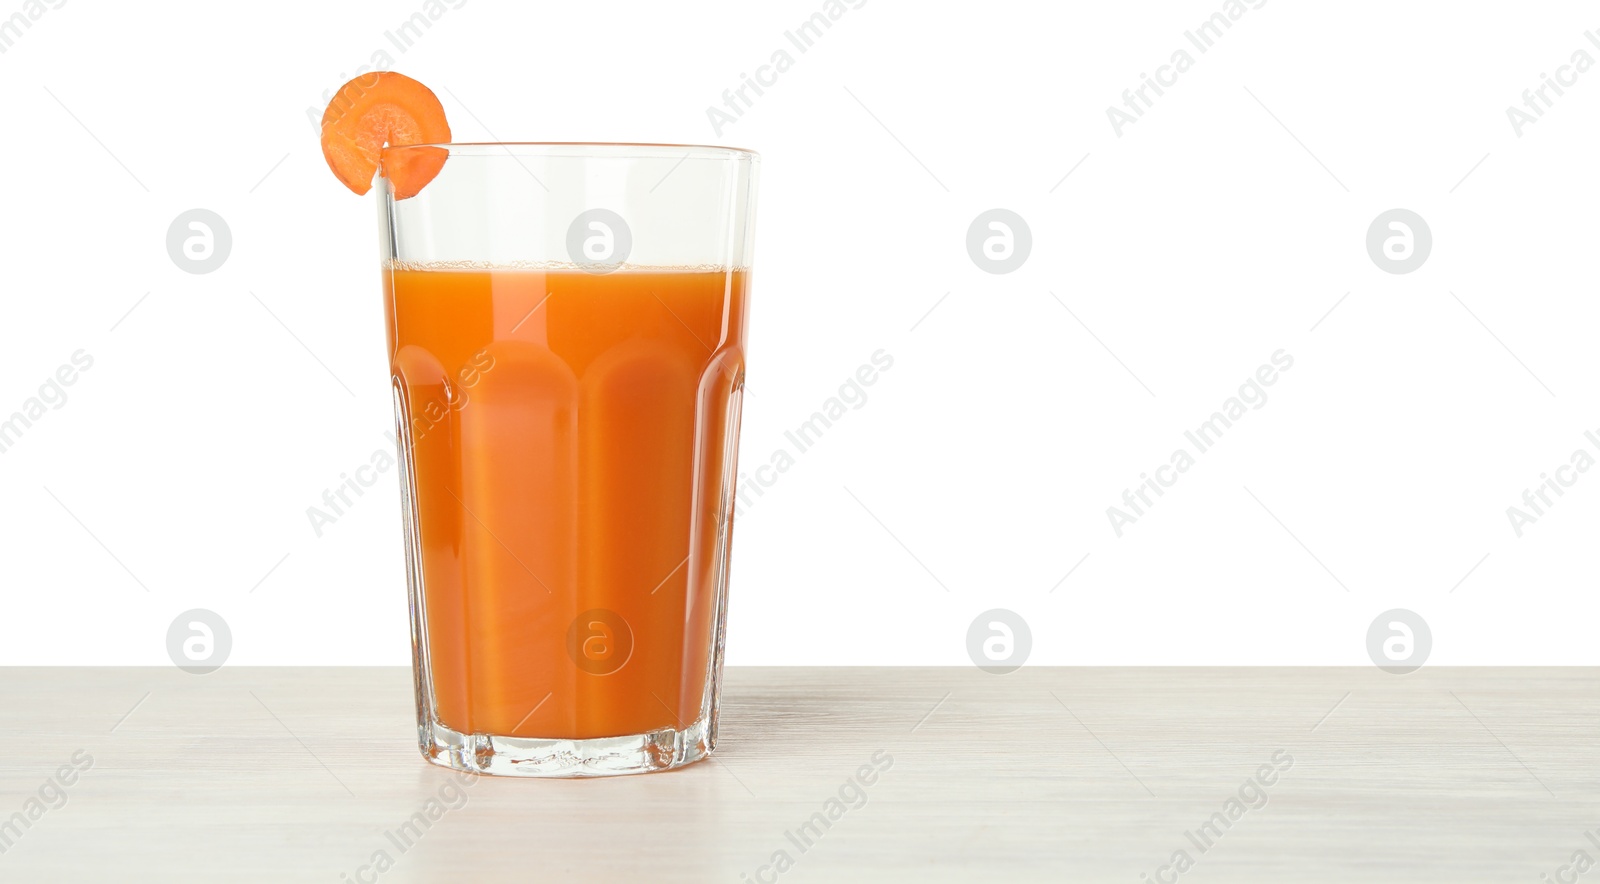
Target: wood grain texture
{"points": [[297, 774]]}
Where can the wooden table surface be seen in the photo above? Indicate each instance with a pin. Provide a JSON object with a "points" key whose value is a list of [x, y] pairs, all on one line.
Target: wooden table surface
{"points": [[302, 774]]}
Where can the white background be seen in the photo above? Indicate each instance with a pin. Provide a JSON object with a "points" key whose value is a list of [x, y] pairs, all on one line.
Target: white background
{"points": [[1195, 245]]}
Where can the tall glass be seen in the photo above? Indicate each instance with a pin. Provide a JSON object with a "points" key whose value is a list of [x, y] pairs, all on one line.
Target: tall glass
{"points": [[566, 329]]}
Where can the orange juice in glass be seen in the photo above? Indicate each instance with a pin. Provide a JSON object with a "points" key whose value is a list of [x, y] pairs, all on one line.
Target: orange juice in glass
{"points": [[566, 328]]}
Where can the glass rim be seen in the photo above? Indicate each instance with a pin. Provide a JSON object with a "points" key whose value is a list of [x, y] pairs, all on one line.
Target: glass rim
{"points": [[596, 149]]}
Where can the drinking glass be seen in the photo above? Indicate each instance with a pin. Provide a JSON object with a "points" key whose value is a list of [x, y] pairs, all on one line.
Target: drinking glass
{"points": [[566, 329]]}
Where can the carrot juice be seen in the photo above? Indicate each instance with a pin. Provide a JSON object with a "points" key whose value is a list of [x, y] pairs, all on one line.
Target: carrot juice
{"points": [[568, 441]]}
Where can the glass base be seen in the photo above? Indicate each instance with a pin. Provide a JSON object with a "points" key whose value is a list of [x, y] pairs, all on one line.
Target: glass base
{"points": [[662, 749]]}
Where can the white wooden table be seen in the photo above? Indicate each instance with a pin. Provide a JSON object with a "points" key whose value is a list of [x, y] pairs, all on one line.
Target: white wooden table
{"points": [[1447, 775]]}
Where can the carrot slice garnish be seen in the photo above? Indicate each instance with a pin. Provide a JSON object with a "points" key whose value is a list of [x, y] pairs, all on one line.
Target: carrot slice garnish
{"points": [[381, 109]]}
